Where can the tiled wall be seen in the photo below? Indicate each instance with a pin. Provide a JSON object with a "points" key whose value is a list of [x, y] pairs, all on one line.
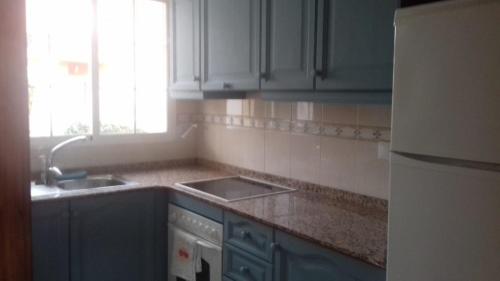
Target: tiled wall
{"points": [[341, 146]]}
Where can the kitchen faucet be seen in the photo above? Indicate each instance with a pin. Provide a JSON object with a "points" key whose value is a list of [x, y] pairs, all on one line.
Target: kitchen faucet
{"points": [[52, 172]]}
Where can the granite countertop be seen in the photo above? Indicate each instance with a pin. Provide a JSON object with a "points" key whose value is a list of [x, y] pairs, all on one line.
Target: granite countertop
{"points": [[352, 229]]}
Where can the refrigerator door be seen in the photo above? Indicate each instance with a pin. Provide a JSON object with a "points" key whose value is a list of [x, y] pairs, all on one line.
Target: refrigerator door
{"points": [[446, 99], [444, 222]]}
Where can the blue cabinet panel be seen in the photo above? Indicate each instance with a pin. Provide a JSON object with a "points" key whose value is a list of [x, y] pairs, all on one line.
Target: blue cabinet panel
{"points": [[113, 237], [196, 206], [161, 198], [287, 39], [248, 235], [185, 47], [242, 266], [298, 260], [50, 241], [355, 41], [230, 45]]}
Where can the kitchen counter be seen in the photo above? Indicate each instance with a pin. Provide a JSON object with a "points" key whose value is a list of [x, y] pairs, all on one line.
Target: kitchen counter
{"points": [[356, 230]]}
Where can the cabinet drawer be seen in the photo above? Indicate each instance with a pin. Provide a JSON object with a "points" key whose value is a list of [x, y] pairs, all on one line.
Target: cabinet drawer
{"points": [[241, 266], [249, 236]]}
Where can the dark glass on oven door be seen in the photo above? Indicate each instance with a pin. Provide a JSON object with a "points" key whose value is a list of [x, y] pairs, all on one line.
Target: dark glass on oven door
{"points": [[204, 275]]}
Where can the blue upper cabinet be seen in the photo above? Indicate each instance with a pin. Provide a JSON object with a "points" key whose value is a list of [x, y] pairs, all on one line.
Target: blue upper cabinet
{"points": [[50, 241], [320, 50], [113, 237], [298, 260], [230, 45], [287, 59], [354, 46], [185, 47]]}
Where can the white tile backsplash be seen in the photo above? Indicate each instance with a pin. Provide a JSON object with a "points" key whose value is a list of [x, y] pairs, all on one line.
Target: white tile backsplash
{"points": [[338, 163], [305, 157], [374, 115], [253, 149], [307, 111], [279, 110], [331, 145], [340, 114], [254, 108], [277, 153], [372, 173]]}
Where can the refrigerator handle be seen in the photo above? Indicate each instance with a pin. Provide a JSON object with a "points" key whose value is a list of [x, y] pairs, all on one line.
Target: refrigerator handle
{"points": [[485, 166]]}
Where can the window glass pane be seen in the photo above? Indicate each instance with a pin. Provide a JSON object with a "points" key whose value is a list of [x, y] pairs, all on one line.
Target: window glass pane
{"points": [[116, 66], [151, 66], [59, 55]]}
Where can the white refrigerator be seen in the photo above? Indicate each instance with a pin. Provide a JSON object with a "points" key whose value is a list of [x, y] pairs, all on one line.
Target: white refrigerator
{"points": [[444, 208]]}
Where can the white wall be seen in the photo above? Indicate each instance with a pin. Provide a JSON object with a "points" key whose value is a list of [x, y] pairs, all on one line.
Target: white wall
{"points": [[124, 152]]}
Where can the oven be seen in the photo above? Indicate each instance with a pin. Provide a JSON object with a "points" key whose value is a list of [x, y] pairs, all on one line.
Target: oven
{"points": [[207, 235]]}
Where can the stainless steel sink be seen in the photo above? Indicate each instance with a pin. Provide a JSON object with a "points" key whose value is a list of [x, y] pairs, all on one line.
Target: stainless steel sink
{"points": [[93, 182]]}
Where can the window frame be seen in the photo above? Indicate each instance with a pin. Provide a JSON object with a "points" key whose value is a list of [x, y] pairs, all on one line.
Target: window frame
{"points": [[100, 139]]}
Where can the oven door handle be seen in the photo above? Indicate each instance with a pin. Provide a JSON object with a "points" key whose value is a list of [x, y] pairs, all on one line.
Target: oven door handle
{"points": [[204, 244]]}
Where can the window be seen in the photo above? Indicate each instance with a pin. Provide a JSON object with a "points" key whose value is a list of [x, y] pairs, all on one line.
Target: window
{"points": [[97, 67]]}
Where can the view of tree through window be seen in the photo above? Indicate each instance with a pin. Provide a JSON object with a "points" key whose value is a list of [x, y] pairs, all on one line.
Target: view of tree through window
{"points": [[130, 82]]}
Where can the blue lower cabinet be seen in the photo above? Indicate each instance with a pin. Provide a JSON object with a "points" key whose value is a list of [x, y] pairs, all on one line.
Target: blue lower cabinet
{"points": [[113, 237], [161, 199], [242, 266], [50, 241], [298, 260]]}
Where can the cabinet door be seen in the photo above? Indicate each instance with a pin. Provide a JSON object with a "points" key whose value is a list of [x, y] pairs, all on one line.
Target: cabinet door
{"points": [[161, 198], [287, 60], [50, 241], [112, 237], [185, 49], [230, 44], [297, 260], [355, 44]]}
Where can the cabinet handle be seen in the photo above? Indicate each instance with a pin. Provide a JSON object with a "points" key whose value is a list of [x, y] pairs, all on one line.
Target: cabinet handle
{"points": [[274, 246], [196, 78], [322, 39], [320, 74], [264, 76], [226, 85], [243, 269], [244, 234]]}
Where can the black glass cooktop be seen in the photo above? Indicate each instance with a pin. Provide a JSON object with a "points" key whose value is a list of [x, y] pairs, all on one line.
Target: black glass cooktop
{"points": [[235, 188]]}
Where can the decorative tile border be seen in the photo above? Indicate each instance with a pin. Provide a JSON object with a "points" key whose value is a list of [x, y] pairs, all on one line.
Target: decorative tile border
{"points": [[344, 131]]}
